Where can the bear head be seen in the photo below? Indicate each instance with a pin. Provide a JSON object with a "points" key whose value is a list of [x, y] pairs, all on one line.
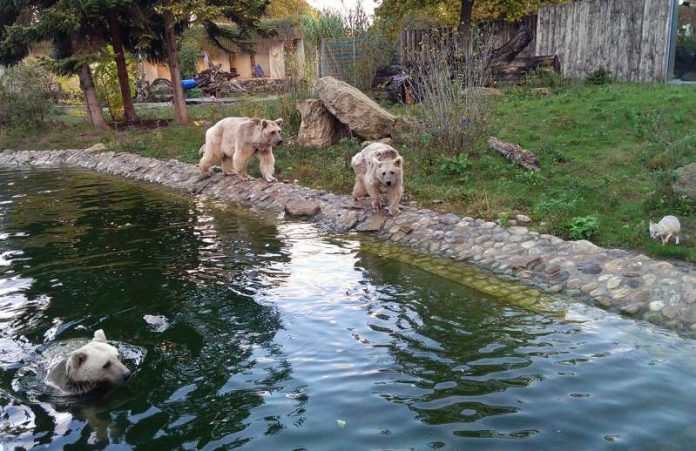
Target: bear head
{"points": [[388, 172], [271, 133], [96, 363]]}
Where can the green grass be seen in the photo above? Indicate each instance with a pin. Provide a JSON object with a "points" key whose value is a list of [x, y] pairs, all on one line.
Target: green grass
{"points": [[606, 151]]}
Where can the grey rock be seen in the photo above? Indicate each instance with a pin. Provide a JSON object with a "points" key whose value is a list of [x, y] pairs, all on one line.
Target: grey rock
{"points": [[589, 267]]}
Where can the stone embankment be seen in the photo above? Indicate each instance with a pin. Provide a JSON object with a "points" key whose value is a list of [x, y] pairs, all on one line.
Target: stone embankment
{"points": [[634, 284]]}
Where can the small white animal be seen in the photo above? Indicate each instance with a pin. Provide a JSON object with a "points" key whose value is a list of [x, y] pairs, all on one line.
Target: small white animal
{"points": [[92, 366], [667, 228]]}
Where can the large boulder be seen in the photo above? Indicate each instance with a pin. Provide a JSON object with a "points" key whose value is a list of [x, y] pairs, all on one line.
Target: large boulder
{"points": [[319, 128], [686, 180], [353, 108]]}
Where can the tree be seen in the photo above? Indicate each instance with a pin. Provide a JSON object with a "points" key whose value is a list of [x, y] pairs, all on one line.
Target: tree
{"points": [[25, 22], [228, 24], [280, 9], [391, 15]]}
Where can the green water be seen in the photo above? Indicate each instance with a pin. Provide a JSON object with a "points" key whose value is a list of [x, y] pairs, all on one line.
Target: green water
{"points": [[277, 337]]}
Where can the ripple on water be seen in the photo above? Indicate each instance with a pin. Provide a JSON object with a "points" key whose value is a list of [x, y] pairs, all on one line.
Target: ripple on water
{"points": [[268, 335]]}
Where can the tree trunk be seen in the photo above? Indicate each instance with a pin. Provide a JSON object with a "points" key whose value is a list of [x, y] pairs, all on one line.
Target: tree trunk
{"points": [[464, 27], [519, 67], [181, 114], [93, 107], [129, 113]]}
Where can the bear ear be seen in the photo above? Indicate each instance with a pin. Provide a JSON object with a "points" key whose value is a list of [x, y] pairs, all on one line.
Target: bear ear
{"points": [[279, 121], [77, 359], [264, 123], [99, 335], [397, 162]]}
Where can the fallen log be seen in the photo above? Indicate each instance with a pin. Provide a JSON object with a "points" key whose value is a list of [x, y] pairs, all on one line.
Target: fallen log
{"points": [[508, 51], [518, 68], [515, 153]]}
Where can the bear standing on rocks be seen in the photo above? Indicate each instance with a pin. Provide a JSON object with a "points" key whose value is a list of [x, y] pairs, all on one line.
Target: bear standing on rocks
{"points": [[88, 368], [379, 167], [234, 140]]}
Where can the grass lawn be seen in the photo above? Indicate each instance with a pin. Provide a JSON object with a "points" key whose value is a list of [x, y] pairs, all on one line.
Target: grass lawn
{"points": [[607, 152]]}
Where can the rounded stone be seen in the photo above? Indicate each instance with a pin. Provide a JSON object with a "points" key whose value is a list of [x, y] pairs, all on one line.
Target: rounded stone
{"points": [[632, 309], [517, 230], [621, 294], [649, 279], [689, 280], [656, 306], [614, 283], [589, 287], [523, 219], [552, 269], [633, 283], [528, 244], [670, 312], [589, 267]]}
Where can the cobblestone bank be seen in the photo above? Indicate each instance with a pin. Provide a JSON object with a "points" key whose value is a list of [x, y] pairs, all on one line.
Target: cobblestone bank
{"points": [[626, 281]]}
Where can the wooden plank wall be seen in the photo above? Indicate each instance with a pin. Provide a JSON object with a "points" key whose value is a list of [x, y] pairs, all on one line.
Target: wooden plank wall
{"points": [[410, 40], [628, 37]]}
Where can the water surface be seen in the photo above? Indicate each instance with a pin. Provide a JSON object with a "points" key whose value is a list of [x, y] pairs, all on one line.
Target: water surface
{"points": [[276, 337]]}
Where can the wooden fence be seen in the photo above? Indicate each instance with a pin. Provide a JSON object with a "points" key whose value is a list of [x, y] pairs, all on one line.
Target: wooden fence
{"points": [[628, 37], [410, 40]]}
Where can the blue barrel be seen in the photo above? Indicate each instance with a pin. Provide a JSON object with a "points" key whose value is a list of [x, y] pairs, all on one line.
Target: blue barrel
{"points": [[188, 84]]}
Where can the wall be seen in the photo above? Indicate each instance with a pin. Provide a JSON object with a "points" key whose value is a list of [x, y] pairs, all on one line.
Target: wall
{"points": [[628, 37]]}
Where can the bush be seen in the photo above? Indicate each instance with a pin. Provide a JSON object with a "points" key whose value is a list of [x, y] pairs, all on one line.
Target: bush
{"points": [[194, 93], [601, 76], [456, 165], [25, 95], [106, 82], [445, 77], [583, 228]]}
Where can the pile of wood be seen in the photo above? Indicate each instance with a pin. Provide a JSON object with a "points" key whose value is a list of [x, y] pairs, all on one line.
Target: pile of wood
{"points": [[216, 82], [507, 67]]}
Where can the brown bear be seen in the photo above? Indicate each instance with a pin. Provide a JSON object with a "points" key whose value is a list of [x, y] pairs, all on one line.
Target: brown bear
{"points": [[234, 140], [379, 167]]}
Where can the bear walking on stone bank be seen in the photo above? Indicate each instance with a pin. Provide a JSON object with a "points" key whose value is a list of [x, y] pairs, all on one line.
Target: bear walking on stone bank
{"points": [[235, 140], [379, 167]]}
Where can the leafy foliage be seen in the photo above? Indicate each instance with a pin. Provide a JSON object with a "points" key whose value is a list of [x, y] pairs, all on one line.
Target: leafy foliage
{"points": [[601, 76], [24, 94], [583, 228], [391, 15], [106, 82], [456, 165]]}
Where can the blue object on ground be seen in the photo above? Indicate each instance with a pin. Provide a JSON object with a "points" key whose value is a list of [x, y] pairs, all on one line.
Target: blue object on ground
{"points": [[188, 84]]}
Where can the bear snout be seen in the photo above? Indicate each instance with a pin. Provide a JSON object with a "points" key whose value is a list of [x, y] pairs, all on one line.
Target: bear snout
{"points": [[126, 376], [279, 142], [389, 183]]}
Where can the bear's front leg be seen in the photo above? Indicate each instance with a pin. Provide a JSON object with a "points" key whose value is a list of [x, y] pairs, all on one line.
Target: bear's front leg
{"points": [[227, 166], [240, 159], [394, 200], [359, 190], [267, 165], [373, 191]]}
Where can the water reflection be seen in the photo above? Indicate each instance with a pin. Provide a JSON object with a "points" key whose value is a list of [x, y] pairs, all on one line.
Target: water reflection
{"points": [[276, 337]]}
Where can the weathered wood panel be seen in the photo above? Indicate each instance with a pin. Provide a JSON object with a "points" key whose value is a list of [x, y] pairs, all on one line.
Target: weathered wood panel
{"points": [[628, 37], [411, 40]]}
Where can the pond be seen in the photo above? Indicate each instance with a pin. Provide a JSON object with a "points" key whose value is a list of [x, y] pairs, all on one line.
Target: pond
{"points": [[269, 335]]}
